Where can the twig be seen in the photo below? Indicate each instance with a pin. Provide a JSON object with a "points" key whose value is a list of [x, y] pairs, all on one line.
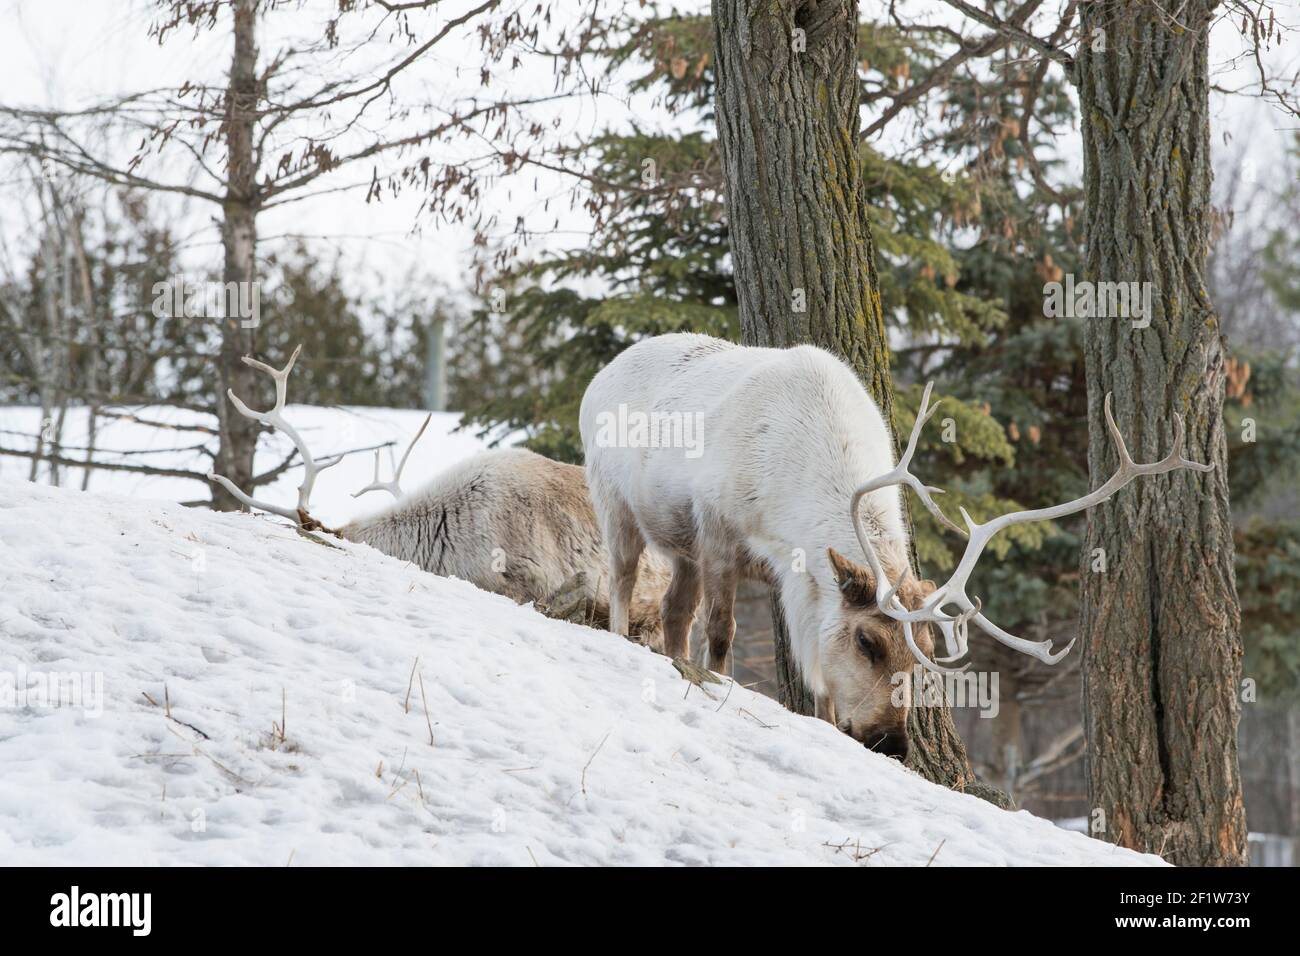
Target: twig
{"points": [[427, 721], [727, 696], [217, 763], [745, 713], [108, 413], [158, 754], [856, 845], [104, 466], [310, 536], [168, 714], [402, 765], [406, 704], [694, 673], [190, 726], [591, 758], [283, 714]]}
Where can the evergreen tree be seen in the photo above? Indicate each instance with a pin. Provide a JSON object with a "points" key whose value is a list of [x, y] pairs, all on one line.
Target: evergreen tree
{"points": [[967, 237]]}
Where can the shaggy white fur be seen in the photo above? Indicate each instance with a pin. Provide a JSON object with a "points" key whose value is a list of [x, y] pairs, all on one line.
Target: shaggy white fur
{"points": [[511, 522], [784, 437]]}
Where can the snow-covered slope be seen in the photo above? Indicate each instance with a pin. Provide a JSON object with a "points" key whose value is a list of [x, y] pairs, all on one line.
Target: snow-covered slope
{"points": [[424, 721]]}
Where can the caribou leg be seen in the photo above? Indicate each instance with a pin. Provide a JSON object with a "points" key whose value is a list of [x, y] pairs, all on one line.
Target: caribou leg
{"points": [[625, 543], [719, 612], [678, 607]]}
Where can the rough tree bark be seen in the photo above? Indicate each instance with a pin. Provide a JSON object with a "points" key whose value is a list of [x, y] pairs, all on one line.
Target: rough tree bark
{"points": [[1162, 645], [238, 435], [787, 114]]}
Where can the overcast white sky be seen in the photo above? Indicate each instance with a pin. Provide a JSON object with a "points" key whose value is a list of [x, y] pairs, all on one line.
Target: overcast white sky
{"points": [[68, 53]]}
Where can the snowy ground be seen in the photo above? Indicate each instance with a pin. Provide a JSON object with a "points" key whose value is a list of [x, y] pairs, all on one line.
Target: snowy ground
{"points": [[297, 734]]}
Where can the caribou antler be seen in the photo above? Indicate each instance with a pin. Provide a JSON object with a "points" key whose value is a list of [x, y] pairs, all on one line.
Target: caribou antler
{"points": [[393, 487], [953, 591], [311, 468]]}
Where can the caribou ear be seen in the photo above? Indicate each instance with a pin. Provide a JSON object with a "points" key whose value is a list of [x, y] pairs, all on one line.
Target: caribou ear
{"points": [[914, 592], [856, 583]]}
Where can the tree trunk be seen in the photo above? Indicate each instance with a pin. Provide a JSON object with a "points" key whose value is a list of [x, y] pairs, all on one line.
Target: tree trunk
{"points": [[1293, 770], [94, 354], [238, 435], [787, 114], [1008, 738], [1161, 626], [434, 391]]}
